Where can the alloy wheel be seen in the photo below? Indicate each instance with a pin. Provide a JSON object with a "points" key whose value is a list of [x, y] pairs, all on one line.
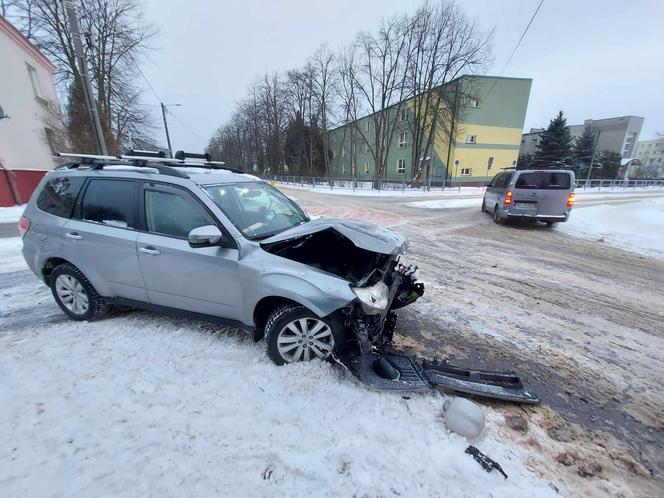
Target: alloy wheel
{"points": [[72, 294], [304, 339]]}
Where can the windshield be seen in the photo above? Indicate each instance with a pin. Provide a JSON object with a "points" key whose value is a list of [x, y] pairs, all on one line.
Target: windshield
{"points": [[256, 209], [544, 180]]}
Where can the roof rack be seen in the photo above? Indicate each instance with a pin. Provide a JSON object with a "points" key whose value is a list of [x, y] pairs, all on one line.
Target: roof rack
{"points": [[149, 159]]}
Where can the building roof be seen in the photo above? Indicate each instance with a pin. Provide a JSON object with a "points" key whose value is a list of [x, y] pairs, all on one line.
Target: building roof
{"points": [[18, 38]]}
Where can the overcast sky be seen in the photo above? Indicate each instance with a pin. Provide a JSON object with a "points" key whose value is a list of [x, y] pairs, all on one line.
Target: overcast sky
{"points": [[593, 59]]}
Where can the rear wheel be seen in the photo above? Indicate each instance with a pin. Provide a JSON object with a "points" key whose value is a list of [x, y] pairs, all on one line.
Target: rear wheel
{"points": [[294, 333], [549, 224], [483, 204], [75, 294], [496, 216]]}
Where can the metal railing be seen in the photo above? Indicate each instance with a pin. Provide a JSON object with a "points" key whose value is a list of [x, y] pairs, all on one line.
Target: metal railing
{"points": [[346, 183], [366, 184], [608, 184]]}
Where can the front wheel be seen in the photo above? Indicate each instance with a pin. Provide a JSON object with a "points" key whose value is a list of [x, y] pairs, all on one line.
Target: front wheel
{"points": [[293, 333]]}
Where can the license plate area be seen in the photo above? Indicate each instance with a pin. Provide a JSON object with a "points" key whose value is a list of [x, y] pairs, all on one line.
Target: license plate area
{"points": [[525, 204]]}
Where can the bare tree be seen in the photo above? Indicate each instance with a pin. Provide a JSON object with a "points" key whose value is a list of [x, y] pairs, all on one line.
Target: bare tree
{"points": [[117, 37], [324, 80], [380, 85], [444, 45]]}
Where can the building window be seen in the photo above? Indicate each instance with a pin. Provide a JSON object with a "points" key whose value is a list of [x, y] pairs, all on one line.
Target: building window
{"points": [[475, 103], [471, 139], [343, 152], [331, 155], [366, 148], [401, 166], [465, 171], [402, 140], [343, 169], [366, 167], [403, 115], [366, 125], [34, 81]]}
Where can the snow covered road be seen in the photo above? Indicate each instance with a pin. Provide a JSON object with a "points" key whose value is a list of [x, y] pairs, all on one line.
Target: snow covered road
{"points": [[145, 405]]}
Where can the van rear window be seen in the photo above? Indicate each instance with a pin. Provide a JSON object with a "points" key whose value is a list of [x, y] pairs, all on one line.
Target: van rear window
{"points": [[543, 180]]}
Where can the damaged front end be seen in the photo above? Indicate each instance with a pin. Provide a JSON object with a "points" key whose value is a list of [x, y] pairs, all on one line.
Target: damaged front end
{"points": [[372, 317], [367, 257]]}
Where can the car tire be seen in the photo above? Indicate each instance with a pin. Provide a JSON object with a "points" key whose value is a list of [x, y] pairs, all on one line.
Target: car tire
{"points": [[496, 216], [75, 294], [549, 224], [285, 341], [483, 204]]}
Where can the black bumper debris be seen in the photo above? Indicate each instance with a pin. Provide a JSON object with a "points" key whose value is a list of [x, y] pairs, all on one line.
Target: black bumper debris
{"points": [[391, 372]]}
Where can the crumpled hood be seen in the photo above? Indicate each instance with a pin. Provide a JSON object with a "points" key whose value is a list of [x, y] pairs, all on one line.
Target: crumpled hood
{"points": [[364, 235]]}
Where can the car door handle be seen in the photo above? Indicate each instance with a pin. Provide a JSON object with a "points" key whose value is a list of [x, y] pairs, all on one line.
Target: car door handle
{"points": [[150, 250], [73, 235]]}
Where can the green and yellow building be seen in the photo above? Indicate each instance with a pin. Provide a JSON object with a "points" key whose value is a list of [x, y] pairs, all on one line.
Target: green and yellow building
{"points": [[481, 130]]}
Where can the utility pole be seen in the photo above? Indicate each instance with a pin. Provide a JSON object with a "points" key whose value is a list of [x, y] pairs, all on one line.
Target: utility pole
{"points": [[592, 158], [168, 137], [75, 29]]}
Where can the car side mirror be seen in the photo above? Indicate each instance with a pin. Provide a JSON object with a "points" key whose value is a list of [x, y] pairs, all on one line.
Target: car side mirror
{"points": [[206, 236], [487, 184]]}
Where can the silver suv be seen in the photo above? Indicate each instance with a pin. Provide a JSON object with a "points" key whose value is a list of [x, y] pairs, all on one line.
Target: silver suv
{"points": [[545, 194], [192, 239]]}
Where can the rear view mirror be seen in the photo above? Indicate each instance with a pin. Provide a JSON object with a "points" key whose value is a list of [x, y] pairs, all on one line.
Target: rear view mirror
{"points": [[205, 236]]}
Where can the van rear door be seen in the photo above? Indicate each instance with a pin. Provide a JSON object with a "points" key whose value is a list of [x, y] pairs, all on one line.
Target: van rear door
{"points": [[542, 193]]}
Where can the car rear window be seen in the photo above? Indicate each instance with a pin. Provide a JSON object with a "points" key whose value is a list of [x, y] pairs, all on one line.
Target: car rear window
{"points": [[59, 195], [544, 180]]}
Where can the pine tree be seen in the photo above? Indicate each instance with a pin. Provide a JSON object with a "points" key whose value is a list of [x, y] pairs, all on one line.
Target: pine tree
{"points": [[584, 147], [555, 145]]}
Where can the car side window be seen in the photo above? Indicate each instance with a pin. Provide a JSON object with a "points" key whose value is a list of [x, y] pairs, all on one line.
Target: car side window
{"points": [[504, 180], [110, 202], [59, 195], [170, 214]]}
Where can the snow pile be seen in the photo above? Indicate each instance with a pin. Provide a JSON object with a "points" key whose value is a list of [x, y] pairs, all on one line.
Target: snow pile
{"points": [[11, 214], [635, 226], [11, 258], [140, 404]]}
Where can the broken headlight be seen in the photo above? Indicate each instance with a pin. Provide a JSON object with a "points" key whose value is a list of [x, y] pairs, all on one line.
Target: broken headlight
{"points": [[374, 299]]}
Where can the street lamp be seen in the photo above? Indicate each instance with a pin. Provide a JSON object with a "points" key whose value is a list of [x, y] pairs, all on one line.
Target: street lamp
{"points": [[168, 137]]}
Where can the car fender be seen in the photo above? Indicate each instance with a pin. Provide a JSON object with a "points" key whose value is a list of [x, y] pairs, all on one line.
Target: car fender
{"points": [[55, 248], [322, 294]]}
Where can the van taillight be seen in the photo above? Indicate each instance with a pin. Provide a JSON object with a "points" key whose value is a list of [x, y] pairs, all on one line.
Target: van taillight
{"points": [[570, 200], [508, 197], [23, 225]]}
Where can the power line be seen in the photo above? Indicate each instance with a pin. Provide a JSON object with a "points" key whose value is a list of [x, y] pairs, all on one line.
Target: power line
{"points": [[509, 59], [185, 126], [522, 36], [159, 99]]}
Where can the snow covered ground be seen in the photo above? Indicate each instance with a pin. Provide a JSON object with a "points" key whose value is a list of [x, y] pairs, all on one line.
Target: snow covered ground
{"points": [[365, 190], [636, 226], [11, 214], [140, 404]]}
